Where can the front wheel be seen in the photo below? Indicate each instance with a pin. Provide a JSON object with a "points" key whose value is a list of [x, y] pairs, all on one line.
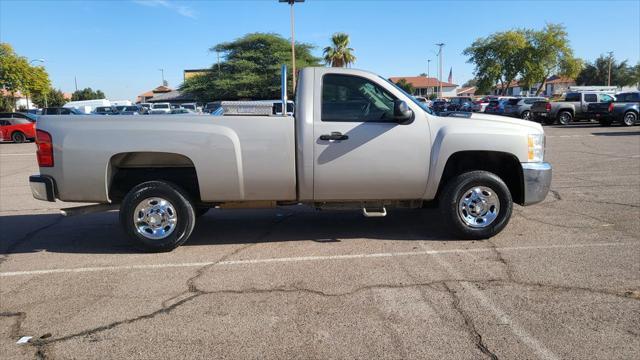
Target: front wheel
{"points": [[157, 215], [630, 118], [526, 115], [476, 205]]}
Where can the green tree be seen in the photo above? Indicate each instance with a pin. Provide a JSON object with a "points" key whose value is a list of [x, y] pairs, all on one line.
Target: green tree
{"points": [[548, 53], [597, 73], [16, 74], [339, 54], [531, 55], [250, 70], [405, 85], [498, 58], [87, 94]]}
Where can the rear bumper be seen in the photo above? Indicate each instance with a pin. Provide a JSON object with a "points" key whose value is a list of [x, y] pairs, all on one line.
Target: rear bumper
{"points": [[42, 187], [537, 181]]}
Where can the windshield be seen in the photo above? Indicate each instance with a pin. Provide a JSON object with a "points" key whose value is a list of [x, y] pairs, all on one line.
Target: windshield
{"points": [[161, 106], [422, 105]]}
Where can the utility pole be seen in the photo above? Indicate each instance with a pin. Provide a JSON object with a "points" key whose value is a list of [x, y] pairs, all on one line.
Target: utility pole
{"points": [[218, 54], [428, 64], [293, 42], [440, 45], [75, 80], [162, 71], [609, 76]]}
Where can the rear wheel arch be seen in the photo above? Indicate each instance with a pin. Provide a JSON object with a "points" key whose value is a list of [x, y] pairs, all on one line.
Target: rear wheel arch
{"points": [[127, 170]]}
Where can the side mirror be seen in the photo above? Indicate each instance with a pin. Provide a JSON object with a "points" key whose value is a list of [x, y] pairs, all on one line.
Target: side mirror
{"points": [[401, 112]]}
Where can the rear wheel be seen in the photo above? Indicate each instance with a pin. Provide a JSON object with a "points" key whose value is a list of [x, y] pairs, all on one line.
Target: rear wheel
{"points": [[565, 117], [157, 216], [526, 115], [476, 205], [630, 118], [18, 137]]}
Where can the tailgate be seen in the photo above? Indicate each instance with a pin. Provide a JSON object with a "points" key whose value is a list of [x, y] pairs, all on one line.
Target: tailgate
{"points": [[539, 106]]}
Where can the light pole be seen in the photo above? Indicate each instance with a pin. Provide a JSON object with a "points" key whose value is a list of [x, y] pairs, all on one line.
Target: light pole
{"points": [[609, 76], [440, 69], [293, 46], [27, 93]]}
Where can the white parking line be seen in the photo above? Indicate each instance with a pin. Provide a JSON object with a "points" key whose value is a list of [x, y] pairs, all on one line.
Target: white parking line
{"points": [[18, 155], [294, 259]]}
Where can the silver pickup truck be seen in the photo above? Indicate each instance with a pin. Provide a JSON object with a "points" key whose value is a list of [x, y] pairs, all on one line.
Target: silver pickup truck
{"points": [[356, 141]]}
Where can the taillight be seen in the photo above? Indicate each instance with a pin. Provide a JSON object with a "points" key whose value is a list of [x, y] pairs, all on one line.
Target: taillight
{"points": [[45, 148], [610, 107], [547, 106]]}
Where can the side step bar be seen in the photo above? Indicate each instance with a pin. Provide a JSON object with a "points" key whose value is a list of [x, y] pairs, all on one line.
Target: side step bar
{"points": [[375, 212]]}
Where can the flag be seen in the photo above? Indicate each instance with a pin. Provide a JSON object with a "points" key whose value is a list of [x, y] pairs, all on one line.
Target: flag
{"points": [[451, 76]]}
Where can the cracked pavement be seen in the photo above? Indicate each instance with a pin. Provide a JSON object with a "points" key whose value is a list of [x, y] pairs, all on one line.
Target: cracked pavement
{"points": [[561, 281]]}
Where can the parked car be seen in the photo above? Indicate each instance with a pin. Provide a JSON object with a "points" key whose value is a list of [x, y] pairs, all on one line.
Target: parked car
{"points": [[87, 106], [521, 107], [573, 107], [159, 108], [496, 106], [439, 105], [623, 109], [353, 133], [19, 115], [129, 110], [61, 111], [144, 108], [105, 110], [182, 111], [190, 106], [460, 104], [481, 104], [16, 129], [211, 106]]}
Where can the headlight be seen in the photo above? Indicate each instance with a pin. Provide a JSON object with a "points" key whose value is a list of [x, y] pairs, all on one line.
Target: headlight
{"points": [[535, 144]]}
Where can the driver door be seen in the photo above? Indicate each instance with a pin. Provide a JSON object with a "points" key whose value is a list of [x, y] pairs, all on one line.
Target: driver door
{"points": [[360, 151]]}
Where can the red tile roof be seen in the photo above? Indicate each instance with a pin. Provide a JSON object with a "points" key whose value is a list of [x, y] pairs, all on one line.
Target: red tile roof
{"points": [[560, 80], [421, 81]]}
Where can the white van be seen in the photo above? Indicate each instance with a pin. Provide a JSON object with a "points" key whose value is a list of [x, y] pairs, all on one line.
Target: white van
{"points": [[87, 106], [160, 108]]}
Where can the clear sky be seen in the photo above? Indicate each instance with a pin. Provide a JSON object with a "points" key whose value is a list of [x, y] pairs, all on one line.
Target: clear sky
{"points": [[118, 46]]}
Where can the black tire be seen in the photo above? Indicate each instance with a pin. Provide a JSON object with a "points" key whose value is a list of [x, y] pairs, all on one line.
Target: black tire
{"points": [[178, 199], [565, 117], [453, 193], [526, 115], [18, 137], [630, 118]]}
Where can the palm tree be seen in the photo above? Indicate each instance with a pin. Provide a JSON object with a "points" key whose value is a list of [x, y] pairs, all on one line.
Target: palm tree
{"points": [[340, 54]]}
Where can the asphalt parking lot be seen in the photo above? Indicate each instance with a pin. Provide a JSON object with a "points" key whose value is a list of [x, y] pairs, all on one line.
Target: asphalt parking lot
{"points": [[561, 282]]}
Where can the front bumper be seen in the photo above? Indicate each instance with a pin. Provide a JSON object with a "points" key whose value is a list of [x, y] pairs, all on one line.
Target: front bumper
{"points": [[42, 187], [537, 181]]}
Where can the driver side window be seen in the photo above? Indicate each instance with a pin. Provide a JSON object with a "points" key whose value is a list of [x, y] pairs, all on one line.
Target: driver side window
{"points": [[354, 99]]}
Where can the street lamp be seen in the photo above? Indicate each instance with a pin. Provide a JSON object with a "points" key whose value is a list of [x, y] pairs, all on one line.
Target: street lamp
{"points": [[27, 94], [293, 46]]}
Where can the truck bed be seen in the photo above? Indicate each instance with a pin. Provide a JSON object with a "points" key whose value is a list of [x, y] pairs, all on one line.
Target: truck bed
{"points": [[242, 157]]}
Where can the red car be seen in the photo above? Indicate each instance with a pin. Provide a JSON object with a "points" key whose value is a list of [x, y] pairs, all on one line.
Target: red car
{"points": [[16, 128]]}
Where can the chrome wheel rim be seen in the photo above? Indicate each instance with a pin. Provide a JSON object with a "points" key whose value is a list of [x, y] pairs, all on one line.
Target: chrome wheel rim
{"points": [[479, 207], [629, 119], [564, 119], [526, 115], [155, 218]]}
